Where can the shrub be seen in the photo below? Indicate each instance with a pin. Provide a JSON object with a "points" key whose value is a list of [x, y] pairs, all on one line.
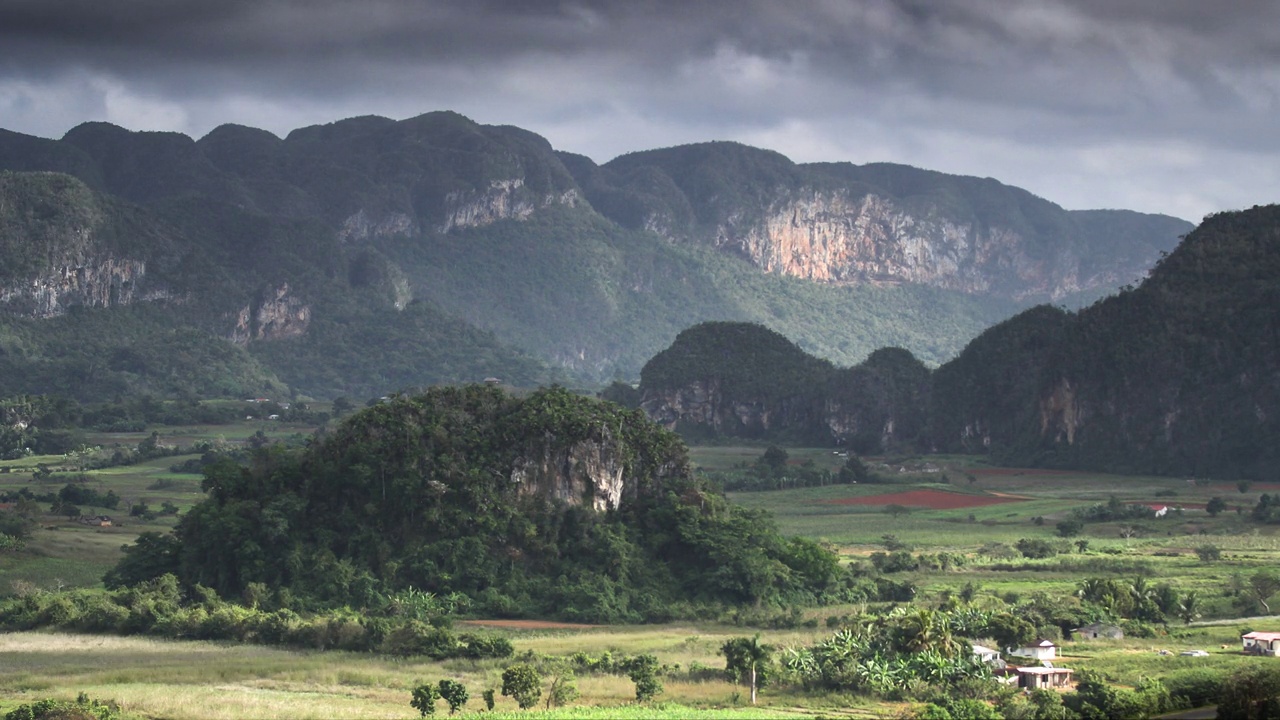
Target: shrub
{"points": [[643, 672], [83, 708], [1209, 553], [522, 683], [1196, 686], [454, 693], [424, 699], [1035, 548]]}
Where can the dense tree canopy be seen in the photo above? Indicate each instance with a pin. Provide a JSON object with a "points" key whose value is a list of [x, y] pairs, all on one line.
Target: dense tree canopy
{"points": [[464, 490]]}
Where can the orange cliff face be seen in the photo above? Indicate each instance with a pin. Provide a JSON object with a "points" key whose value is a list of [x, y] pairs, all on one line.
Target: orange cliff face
{"points": [[832, 237]]}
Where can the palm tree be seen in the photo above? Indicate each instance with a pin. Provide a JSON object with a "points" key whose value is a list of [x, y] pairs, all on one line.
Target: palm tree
{"points": [[746, 657], [1189, 607]]}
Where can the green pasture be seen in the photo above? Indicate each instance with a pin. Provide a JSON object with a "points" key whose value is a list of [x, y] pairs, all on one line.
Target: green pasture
{"points": [[190, 679], [152, 678]]}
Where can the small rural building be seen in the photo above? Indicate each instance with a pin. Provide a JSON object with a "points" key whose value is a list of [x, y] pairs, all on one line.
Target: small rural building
{"points": [[1098, 631], [987, 655], [1159, 510], [1261, 643], [1041, 650], [1034, 678]]}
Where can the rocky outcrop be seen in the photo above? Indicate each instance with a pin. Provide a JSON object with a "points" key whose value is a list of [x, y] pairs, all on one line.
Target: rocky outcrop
{"points": [[586, 473], [835, 237], [502, 200], [275, 316], [101, 283], [1060, 413], [701, 404], [360, 226]]}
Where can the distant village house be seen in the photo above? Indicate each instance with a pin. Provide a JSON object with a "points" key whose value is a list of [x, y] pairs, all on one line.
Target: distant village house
{"points": [[1041, 650], [1261, 643]]}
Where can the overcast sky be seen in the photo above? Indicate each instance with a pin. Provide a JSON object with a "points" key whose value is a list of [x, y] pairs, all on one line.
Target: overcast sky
{"points": [[1155, 105]]}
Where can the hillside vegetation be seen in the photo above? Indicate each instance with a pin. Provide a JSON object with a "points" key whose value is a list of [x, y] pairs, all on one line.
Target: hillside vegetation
{"points": [[549, 506], [371, 255], [1176, 376]]}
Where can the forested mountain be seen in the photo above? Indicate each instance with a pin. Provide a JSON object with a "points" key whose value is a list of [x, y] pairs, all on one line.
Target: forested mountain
{"points": [[369, 255], [1180, 375], [743, 380], [549, 505]]}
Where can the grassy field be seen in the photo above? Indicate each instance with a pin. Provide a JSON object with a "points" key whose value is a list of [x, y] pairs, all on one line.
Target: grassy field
{"points": [[152, 678]]}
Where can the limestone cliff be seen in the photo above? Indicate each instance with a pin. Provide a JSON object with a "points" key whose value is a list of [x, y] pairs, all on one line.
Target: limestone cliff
{"points": [[106, 282], [276, 315], [586, 472], [880, 223], [501, 200], [361, 226], [835, 237]]}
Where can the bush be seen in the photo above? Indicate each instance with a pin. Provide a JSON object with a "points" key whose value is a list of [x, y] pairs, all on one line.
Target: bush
{"points": [[418, 638], [83, 708], [1209, 553], [454, 693], [424, 699], [1036, 549], [1195, 687], [522, 683]]}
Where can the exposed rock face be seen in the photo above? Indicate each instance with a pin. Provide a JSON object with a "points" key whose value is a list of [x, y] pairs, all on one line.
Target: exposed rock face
{"points": [[832, 237], [702, 404], [106, 282], [360, 226], [277, 315], [1060, 413], [585, 473], [502, 200]]}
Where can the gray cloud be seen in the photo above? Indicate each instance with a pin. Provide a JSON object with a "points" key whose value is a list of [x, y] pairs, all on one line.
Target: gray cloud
{"points": [[1163, 107]]}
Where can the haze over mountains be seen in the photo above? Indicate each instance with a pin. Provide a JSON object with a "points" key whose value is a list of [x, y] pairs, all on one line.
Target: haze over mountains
{"points": [[369, 255]]}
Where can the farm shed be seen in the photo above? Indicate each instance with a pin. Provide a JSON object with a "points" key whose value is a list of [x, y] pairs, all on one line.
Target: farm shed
{"points": [[1096, 631], [1261, 643]]}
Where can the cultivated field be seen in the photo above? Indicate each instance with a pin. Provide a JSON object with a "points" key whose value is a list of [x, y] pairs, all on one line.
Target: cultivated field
{"points": [[976, 507]]}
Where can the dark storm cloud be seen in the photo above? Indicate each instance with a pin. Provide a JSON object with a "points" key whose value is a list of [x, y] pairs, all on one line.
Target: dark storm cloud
{"points": [[1089, 102]]}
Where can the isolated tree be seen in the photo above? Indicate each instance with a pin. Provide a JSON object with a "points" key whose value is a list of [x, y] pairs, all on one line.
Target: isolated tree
{"points": [[643, 671], [1070, 527], [1082, 546], [1189, 607], [747, 659], [454, 693], [1243, 486], [1215, 506], [563, 690], [854, 471], [1263, 584], [522, 683], [773, 463], [424, 699], [489, 698]]}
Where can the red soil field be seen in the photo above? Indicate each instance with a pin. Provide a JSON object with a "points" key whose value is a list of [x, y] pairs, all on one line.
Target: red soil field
{"points": [[931, 499], [529, 624]]}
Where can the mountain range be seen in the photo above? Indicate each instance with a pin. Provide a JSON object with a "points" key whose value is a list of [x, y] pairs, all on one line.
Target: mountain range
{"points": [[370, 255], [1177, 376]]}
